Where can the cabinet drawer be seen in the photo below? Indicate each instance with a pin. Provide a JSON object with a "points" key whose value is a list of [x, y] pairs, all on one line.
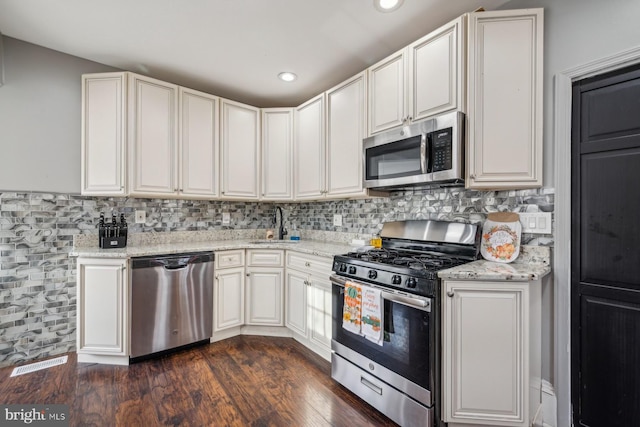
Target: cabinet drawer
{"points": [[228, 259], [262, 257], [309, 263]]}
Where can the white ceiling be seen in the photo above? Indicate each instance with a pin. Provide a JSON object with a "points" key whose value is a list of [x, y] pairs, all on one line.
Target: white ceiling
{"points": [[231, 48]]}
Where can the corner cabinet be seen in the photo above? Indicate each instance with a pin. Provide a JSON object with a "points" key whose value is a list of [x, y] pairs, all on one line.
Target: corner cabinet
{"points": [[491, 352], [277, 154], [104, 129], [265, 287], [103, 311], [240, 145], [308, 151], [504, 120]]}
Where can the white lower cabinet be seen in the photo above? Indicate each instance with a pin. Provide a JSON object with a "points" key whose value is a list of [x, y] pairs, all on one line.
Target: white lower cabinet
{"points": [[264, 296], [103, 311], [229, 298], [491, 352], [308, 301], [228, 290]]}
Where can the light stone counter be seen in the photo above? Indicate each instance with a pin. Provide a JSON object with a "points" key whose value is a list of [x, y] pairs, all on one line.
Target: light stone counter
{"points": [[320, 248], [532, 264]]}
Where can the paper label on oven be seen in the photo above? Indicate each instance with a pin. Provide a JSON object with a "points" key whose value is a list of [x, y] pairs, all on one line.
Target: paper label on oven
{"points": [[352, 312]]}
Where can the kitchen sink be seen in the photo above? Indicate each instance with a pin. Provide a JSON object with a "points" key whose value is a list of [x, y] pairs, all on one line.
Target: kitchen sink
{"points": [[270, 242]]}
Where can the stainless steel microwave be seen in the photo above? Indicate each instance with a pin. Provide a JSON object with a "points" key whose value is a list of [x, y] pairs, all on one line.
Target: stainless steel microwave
{"points": [[428, 152]]}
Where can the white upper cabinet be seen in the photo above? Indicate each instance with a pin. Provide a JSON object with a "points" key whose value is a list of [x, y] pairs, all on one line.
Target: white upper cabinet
{"points": [[104, 134], [277, 154], [346, 127], [198, 154], [504, 124], [387, 93], [240, 145], [436, 71], [153, 135], [309, 149], [421, 80]]}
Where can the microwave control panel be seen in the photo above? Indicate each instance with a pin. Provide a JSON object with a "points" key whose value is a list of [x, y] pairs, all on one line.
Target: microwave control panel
{"points": [[441, 149]]}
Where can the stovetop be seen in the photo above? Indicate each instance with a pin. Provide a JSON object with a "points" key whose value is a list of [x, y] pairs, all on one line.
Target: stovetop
{"points": [[412, 253]]}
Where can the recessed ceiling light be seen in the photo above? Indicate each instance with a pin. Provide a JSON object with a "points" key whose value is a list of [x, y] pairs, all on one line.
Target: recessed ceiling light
{"points": [[287, 76], [387, 5]]}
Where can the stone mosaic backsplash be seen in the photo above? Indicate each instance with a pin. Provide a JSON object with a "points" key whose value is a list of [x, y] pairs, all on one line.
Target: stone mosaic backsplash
{"points": [[37, 277]]}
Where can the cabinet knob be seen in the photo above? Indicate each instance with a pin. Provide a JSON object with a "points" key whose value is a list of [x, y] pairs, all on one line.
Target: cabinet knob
{"points": [[307, 264], [217, 277], [248, 274], [472, 176], [450, 294]]}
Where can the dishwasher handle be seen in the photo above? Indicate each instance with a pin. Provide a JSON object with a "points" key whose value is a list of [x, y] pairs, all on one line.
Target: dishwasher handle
{"points": [[172, 261]]}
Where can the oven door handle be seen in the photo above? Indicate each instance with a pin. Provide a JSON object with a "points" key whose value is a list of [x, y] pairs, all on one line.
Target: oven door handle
{"points": [[420, 304], [424, 305]]}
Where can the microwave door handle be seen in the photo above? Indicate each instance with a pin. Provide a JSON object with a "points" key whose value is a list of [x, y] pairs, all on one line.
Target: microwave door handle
{"points": [[424, 159]]}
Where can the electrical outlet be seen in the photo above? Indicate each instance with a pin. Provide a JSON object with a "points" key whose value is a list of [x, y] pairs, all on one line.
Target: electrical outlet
{"points": [[226, 218], [141, 217], [337, 220], [535, 222]]}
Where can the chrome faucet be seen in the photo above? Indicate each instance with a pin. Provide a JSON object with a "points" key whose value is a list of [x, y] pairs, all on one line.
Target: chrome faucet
{"points": [[281, 230]]}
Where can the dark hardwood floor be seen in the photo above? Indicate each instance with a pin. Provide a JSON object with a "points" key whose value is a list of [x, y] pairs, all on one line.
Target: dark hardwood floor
{"points": [[242, 381]]}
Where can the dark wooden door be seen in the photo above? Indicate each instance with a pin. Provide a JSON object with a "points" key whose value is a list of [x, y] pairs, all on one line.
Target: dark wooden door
{"points": [[605, 254]]}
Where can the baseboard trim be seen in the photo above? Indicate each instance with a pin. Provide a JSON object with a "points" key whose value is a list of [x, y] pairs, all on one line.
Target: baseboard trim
{"points": [[549, 405]]}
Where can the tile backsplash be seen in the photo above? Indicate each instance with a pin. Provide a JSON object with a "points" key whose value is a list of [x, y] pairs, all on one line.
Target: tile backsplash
{"points": [[37, 277]]}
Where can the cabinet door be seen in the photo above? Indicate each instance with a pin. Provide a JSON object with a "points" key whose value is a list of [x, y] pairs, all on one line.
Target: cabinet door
{"points": [[346, 127], [320, 311], [296, 302], [277, 157], [198, 144], [228, 299], [103, 134], [309, 149], [153, 131], [504, 144], [436, 71], [102, 307], [240, 148], [264, 296], [486, 346], [387, 93]]}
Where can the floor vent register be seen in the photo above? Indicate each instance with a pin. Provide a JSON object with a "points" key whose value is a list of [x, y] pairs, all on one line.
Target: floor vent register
{"points": [[45, 364]]}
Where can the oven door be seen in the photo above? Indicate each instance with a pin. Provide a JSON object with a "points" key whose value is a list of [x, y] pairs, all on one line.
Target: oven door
{"points": [[406, 359]]}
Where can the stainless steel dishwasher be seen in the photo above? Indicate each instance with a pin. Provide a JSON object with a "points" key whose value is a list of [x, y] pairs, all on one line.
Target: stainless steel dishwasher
{"points": [[171, 301]]}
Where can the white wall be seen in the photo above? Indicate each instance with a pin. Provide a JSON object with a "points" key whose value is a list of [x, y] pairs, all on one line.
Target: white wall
{"points": [[40, 118], [576, 32]]}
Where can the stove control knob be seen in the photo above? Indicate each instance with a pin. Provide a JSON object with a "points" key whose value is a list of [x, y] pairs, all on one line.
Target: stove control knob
{"points": [[412, 282], [396, 280], [373, 274], [352, 270], [343, 267]]}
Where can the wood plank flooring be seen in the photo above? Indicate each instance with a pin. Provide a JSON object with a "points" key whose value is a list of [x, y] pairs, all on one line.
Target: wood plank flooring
{"points": [[241, 381]]}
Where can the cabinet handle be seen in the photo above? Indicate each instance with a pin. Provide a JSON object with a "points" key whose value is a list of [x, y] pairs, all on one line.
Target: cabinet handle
{"points": [[450, 294], [181, 190]]}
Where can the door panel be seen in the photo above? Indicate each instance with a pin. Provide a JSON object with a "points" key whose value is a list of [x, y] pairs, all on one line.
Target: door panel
{"points": [[605, 272]]}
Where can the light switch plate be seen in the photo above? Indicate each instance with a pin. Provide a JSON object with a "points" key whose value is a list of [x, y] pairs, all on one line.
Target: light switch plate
{"points": [[226, 218], [535, 222], [337, 220], [141, 217]]}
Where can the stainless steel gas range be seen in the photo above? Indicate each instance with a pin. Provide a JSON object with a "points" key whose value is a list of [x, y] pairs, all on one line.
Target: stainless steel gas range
{"points": [[400, 373]]}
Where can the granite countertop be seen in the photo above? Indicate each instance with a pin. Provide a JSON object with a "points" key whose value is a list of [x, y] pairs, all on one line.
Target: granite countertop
{"points": [[533, 263], [319, 248]]}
